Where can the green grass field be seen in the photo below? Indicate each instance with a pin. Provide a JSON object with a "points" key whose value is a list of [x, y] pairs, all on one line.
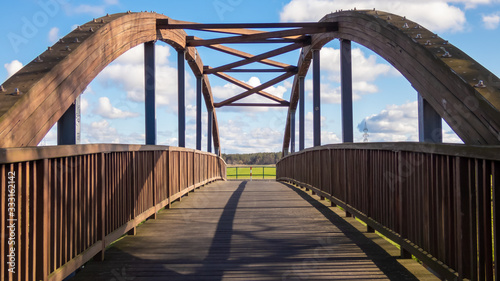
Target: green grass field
{"points": [[258, 172]]}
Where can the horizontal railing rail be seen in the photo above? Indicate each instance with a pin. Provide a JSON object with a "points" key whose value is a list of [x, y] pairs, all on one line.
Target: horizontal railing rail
{"points": [[61, 206], [437, 201]]}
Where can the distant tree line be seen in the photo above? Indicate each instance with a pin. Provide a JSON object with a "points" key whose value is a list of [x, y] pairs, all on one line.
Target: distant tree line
{"points": [[266, 158]]}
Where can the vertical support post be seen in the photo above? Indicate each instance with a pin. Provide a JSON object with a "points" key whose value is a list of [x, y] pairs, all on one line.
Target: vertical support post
{"points": [[346, 90], [181, 80], [316, 99], [209, 130], [301, 113], [199, 80], [429, 123], [68, 127], [149, 101], [292, 131]]}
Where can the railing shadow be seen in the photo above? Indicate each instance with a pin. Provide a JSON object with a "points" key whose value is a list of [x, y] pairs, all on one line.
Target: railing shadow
{"points": [[383, 260]]}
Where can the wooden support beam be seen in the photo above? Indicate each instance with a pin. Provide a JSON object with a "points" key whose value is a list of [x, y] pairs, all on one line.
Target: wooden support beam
{"points": [[248, 87], [262, 37], [244, 55], [257, 89], [257, 58], [168, 24], [285, 104]]}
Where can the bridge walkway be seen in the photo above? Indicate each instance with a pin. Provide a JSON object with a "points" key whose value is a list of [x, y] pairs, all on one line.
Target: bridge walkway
{"points": [[252, 230]]}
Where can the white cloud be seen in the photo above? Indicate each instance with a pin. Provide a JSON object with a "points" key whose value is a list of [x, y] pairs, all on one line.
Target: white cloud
{"points": [[394, 123], [437, 15], [399, 123], [364, 68], [50, 138], [102, 132], [54, 35], [236, 139], [93, 10], [451, 137], [106, 110], [491, 21], [127, 72], [84, 105], [13, 67]]}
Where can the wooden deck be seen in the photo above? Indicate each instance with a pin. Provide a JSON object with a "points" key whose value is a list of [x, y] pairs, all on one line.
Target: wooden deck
{"points": [[258, 230]]}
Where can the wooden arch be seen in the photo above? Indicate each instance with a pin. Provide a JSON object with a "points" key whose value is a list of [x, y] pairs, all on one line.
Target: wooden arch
{"points": [[447, 83], [50, 84]]}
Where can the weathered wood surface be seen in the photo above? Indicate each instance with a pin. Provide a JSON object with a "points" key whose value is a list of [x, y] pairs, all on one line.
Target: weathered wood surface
{"points": [[255, 230], [48, 88], [446, 83], [437, 201]]}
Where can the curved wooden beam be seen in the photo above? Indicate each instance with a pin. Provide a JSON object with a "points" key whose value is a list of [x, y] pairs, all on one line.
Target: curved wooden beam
{"points": [[447, 83], [49, 85]]}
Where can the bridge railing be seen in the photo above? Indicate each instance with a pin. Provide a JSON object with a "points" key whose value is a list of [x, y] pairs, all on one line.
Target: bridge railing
{"points": [[439, 202], [61, 206]]}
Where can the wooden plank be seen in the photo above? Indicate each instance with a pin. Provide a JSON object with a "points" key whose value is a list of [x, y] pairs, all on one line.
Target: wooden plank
{"points": [[274, 230]]}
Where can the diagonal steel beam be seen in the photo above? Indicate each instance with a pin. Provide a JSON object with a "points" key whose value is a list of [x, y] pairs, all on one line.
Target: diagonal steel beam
{"points": [[257, 89], [244, 55], [255, 104], [248, 87], [257, 58]]}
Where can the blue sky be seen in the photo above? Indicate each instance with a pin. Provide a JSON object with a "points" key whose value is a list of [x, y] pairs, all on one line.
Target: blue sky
{"points": [[113, 108]]}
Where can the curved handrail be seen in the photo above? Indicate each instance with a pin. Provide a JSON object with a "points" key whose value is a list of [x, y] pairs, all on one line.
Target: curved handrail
{"points": [[438, 202], [50, 84], [72, 201]]}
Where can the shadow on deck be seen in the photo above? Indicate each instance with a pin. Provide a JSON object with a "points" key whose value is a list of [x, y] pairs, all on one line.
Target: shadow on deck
{"points": [[252, 231]]}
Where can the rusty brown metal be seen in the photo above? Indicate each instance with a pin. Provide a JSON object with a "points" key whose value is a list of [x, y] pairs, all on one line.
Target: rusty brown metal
{"points": [[437, 201]]}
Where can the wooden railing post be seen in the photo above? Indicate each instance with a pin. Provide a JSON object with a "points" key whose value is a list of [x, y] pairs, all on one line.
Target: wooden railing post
{"points": [[133, 198], [42, 217], [401, 204], [101, 206]]}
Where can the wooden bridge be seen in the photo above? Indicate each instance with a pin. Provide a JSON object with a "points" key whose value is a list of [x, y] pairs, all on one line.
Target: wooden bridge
{"points": [[62, 206]]}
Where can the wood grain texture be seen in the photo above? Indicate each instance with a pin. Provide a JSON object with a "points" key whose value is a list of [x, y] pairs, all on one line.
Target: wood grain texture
{"points": [[433, 200], [447, 83], [49, 87], [256, 230]]}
